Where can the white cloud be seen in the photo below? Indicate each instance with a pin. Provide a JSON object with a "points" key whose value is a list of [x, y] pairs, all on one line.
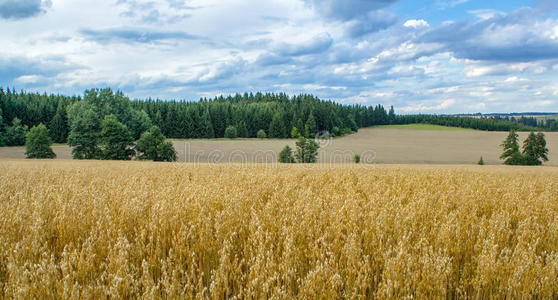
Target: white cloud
{"points": [[416, 23]]}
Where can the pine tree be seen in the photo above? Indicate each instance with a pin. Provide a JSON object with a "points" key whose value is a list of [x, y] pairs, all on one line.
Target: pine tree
{"points": [[306, 150], [115, 140], [38, 142]]}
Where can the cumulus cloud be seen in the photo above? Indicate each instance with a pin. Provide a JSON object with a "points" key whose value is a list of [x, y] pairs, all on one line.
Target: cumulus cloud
{"points": [[361, 16], [520, 36], [21, 9]]}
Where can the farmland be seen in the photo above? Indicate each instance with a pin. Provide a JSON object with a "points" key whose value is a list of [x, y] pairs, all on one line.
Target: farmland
{"points": [[92, 229], [404, 144]]}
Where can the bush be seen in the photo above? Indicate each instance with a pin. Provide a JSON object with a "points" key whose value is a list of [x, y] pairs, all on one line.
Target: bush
{"points": [[37, 143], [286, 155], [356, 158], [261, 134], [231, 133]]}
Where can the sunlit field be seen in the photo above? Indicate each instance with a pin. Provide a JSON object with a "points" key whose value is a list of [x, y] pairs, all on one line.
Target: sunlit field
{"points": [[71, 229]]}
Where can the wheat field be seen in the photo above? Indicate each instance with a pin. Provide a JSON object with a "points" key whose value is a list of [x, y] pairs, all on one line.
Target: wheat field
{"points": [[153, 230]]}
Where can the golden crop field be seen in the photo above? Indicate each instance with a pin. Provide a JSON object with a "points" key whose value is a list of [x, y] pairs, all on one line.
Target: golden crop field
{"points": [[73, 229]]}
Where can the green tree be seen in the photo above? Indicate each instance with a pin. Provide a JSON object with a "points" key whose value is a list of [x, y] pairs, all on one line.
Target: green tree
{"points": [[115, 140], [139, 122], [391, 115], [152, 146], [481, 161], [2, 130], [286, 155], [295, 133], [306, 150], [84, 134], [16, 133], [261, 134], [534, 149], [58, 126], [38, 142], [206, 128], [277, 128], [511, 155], [231, 133], [310, 126]]}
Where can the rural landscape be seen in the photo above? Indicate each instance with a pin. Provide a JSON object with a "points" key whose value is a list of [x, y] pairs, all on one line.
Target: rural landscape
{"points": [[305, 149]]}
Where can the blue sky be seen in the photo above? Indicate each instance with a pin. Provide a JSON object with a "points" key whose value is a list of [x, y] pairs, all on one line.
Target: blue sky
{"points": [[434, 56]]}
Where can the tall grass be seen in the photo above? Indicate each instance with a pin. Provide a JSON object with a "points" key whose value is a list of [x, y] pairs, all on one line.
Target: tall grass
{"points": [[148, 230]]}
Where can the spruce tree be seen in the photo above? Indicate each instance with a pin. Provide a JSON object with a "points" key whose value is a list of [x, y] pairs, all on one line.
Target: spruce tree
{"points": [[16, 133], [38, 142], [277, 127], [58, 126], [206, 128], [511, 154]]}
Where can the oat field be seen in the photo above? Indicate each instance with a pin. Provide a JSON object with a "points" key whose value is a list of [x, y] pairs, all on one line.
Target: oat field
{"points": [[71, 229]]}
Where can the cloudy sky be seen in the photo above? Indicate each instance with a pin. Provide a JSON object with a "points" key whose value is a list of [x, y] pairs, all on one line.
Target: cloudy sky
{"points": [[432, 56]]}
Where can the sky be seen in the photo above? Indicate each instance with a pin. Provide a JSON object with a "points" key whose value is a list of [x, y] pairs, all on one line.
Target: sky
{"points": [[432, 56]]}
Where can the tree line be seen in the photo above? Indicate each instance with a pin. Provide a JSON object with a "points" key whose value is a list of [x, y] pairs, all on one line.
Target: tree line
{"points": [[271, 115], [480, 123], [250, 115]]}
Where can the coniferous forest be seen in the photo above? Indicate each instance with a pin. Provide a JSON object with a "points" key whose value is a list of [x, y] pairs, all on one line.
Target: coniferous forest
{"points": [[251, 115]]}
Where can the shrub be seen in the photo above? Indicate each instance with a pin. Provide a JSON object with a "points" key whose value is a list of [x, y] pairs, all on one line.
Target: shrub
{"points": [[356, 158], [231, 133], [261, 134]]}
